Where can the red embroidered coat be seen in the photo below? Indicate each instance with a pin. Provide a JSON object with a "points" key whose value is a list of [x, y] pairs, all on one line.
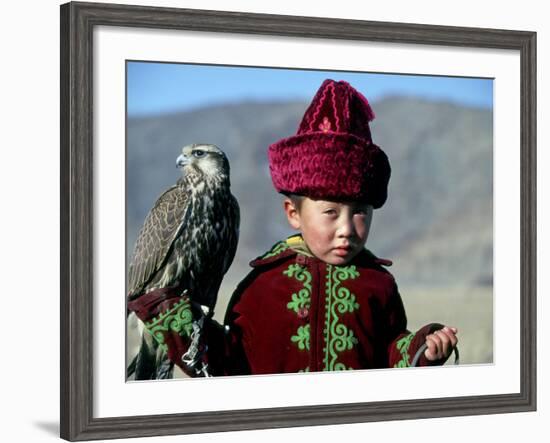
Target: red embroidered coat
{"points": [[295, 313]]}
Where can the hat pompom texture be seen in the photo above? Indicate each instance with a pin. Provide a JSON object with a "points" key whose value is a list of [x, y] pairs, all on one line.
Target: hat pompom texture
{"points": [[332, 155]]}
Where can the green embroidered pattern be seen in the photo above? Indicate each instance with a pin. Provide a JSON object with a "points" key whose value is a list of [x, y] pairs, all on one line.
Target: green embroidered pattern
{"points": [[178, 319], [302, 338], [300, 300], [403, 347], [276, 250], [339, 300]]}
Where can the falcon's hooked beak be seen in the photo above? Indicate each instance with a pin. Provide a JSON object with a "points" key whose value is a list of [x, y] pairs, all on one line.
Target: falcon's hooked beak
{"points": [[182, 161]]}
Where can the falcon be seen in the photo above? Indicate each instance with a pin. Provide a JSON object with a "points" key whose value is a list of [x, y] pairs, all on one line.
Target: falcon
{"points": [[188, 240]]}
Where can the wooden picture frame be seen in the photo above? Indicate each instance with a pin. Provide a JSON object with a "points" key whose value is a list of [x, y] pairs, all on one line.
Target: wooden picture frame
{"points": [[78, 21]]}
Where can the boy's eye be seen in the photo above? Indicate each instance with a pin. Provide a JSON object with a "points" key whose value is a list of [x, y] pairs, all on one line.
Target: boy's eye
{"points": [[330, 211], [361, 210]]}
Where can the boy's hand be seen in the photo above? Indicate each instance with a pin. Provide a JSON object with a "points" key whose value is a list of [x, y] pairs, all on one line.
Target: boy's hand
{"points": [[441, 343]]}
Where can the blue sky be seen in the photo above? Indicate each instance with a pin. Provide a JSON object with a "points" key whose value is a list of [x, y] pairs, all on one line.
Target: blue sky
{"points": [[156, 88]]}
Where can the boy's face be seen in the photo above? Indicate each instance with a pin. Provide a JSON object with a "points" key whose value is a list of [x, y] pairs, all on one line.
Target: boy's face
{"points": [[334, 232]]}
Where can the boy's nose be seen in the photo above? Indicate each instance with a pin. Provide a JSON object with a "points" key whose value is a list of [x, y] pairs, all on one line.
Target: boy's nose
{"points": [[346, 228]]}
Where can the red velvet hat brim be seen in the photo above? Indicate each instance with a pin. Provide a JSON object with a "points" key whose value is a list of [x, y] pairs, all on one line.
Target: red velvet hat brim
{"points": [[331, 165]]}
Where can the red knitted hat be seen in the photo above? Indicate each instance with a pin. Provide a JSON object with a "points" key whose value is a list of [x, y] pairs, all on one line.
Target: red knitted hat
{"points": [[332, 155]]}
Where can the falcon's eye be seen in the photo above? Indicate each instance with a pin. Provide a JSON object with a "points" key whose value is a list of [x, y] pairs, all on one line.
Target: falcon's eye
{"points": [[198, 153]]}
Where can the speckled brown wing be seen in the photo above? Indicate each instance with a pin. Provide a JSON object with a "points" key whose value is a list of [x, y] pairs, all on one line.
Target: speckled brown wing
{"points": [[162, 225], [233, 240]]}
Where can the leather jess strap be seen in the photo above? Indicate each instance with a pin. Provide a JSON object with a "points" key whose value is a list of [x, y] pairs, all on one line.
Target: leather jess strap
{"points": [[422, 349]]}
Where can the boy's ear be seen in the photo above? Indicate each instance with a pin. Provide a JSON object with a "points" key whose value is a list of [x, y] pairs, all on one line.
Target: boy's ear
{"points": [[292, 213]]}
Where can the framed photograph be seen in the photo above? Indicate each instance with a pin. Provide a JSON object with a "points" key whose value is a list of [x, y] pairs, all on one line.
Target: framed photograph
{"points": [[455, 113]]}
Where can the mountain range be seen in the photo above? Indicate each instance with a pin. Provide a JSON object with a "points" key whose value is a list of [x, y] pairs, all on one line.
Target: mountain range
{"points": [[437, 225]]}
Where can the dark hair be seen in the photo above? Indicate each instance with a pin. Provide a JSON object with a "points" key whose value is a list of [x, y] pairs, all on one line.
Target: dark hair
{"points": [[296, 199]]}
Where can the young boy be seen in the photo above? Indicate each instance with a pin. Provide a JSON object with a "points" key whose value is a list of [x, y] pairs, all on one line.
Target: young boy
{"points": [[320, 301]]}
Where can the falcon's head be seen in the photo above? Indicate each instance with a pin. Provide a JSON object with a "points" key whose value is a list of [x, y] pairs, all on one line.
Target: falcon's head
{"points": [[206, 160]]}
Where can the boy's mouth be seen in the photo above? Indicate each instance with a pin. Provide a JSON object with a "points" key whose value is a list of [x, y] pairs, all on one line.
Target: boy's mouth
{"points": [[342, 250]]}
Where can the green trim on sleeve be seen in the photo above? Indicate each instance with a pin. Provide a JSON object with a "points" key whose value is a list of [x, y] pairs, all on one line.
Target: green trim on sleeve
{"points": [[178, 319], [403, 347]]}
